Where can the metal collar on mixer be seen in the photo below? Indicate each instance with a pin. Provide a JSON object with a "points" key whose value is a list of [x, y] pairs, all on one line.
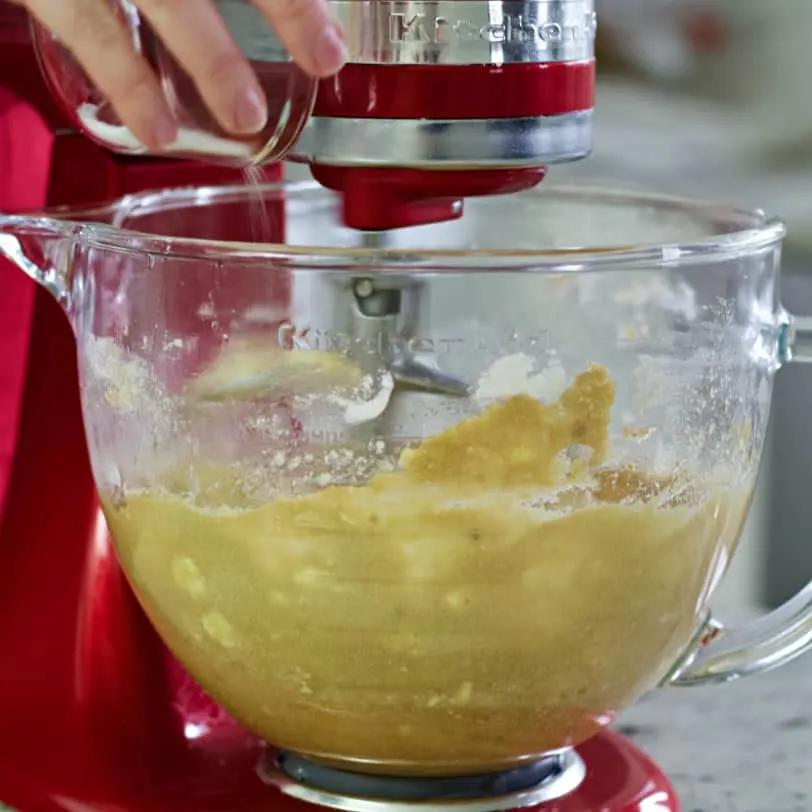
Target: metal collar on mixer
{"points": [[448, 144], [540, 782]]}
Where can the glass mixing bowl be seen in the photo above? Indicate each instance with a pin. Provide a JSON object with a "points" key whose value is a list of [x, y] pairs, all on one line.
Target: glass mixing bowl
{"points": [[440, 505]]}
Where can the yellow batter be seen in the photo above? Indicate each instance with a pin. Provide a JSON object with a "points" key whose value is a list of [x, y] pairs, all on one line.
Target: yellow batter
{"points": [[462, 613]]}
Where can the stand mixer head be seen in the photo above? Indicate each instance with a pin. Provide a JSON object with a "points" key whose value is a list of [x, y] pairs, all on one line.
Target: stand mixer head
{"points": [[450, 99]]}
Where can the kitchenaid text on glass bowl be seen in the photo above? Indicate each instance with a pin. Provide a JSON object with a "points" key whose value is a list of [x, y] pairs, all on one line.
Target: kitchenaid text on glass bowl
{"points": [[291, 337]]}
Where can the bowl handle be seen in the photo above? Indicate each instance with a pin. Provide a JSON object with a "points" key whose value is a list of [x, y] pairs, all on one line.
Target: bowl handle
{"points": [[41, 249], [780, 636], [772, 641]]}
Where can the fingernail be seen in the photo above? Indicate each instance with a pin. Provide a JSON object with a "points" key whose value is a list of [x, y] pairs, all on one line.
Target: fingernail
{"points": [[250, 112], [331, 53], [164, 130]]}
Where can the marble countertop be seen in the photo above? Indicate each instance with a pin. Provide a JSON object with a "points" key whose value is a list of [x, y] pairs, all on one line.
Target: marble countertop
{"points": [[742, 747]]}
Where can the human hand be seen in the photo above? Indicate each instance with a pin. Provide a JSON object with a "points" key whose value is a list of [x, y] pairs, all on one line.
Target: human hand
{"points": [[197, 36]]}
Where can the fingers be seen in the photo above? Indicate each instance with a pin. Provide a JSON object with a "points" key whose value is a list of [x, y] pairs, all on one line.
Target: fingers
{"points": [[102, 47], [310, 32], [195, 33]]}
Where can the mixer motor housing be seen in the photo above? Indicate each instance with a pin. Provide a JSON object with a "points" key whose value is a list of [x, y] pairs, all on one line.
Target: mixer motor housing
{"points": [[446, 99]]}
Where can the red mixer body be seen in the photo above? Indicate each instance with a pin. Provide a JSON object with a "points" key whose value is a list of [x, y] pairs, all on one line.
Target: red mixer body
{"points": [[95, 714], [91, 704]]}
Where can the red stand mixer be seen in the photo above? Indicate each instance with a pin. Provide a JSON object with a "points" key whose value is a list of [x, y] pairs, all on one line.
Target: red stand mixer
{"points": [[441, 101]]}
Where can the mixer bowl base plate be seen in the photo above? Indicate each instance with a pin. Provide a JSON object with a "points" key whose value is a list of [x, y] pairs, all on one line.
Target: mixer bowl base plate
{"points": [[531, 785]]}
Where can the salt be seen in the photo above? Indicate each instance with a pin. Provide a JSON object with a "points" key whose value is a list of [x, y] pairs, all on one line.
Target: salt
{"points": [[188, 140], [513, 375], [357, 412]]}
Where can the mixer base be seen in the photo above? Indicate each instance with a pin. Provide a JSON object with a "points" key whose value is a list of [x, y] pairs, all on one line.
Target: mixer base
{"points": [[618, 778], [533, 785]]}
